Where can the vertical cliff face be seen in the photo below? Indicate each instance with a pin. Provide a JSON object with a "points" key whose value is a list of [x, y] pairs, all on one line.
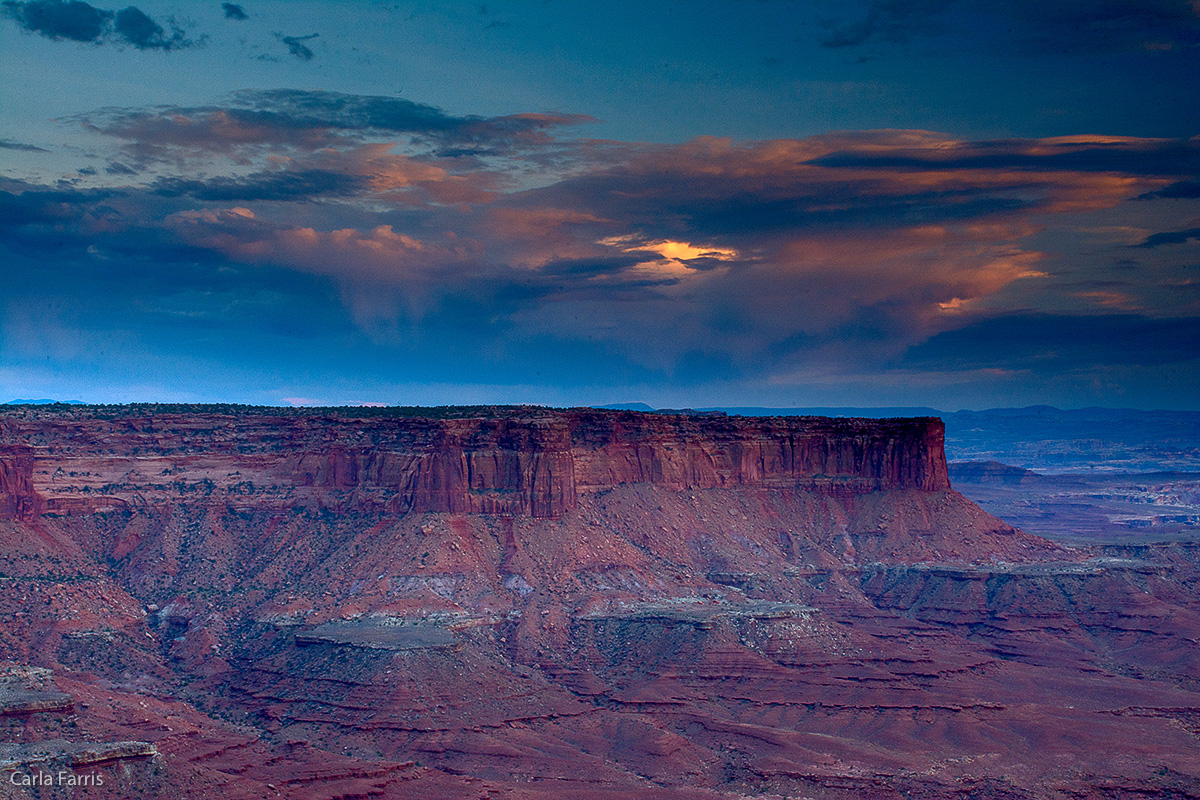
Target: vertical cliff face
{"points": [[471, 466], [538, 465], [18, 499], [811, 452], [520, 462]]}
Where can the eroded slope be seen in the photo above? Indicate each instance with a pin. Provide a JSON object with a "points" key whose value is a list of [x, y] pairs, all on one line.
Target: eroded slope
{"points": [[537, 603]]}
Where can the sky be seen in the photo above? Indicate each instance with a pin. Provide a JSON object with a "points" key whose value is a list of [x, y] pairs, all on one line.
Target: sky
{"points": [[943, 203]]}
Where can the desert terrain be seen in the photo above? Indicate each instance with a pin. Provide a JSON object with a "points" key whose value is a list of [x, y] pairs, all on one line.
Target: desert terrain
{"points": [[522, 602]]}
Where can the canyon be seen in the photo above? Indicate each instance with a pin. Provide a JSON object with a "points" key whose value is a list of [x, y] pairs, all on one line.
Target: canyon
{"points": [[521, 602]]}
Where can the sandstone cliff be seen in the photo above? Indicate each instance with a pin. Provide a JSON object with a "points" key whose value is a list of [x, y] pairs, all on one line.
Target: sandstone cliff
{"points": [[18, 498], [531, 604], [522, 462]]}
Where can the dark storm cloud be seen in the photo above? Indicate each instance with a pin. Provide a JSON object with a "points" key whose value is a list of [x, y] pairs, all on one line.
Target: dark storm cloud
{"points": [[78, 21], [1170, 237], [296, 46], [234, 11], [1047, 343], [1050, 26]]}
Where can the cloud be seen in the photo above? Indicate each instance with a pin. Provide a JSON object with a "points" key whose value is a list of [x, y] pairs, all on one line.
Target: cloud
{"points": [[296, 46], [770, 191], [886, 20], [1050, 343], [365, 171], [10, 145], [1033, 26], [384, 115], [172, 132], [1109, 25], [234, 11], [1170, 237], [279, 185], [142, 32], [736, 248], [78, 21], [710, 258], [350, 112], [30, 204], [60, 19], [1075, 153], [382, 253], [1179, 191], [313, 120]]}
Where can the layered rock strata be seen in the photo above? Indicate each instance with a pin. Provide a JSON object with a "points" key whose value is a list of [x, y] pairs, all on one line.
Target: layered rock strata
{"points": [[525, 603], [522, 462]]}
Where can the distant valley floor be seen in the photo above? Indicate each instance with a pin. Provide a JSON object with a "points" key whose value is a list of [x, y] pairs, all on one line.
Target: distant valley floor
{"points": [[1096, 508]]}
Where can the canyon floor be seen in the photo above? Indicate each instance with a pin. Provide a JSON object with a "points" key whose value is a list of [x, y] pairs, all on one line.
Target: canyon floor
{"points": [[525, 603]]}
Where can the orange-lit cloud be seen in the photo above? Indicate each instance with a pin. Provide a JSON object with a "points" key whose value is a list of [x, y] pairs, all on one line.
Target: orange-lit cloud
{"points": [[672, 251]]}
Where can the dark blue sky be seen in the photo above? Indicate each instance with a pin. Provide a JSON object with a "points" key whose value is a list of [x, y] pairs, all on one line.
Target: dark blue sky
{"points": [[753, 202]]}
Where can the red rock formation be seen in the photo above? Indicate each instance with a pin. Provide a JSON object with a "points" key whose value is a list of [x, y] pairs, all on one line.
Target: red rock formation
{"points": [[525, 463], [537, 467], [18, 499], [525, 603]]}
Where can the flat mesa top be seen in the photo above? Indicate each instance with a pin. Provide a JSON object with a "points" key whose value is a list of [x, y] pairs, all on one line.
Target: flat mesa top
{"points": [[56, 411]]}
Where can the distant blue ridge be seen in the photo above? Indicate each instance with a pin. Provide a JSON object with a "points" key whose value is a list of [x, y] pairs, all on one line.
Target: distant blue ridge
{"points": [[45, 403], [821, 411]]}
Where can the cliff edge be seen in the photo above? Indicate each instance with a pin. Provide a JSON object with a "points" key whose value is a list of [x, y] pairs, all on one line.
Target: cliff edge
{"points": [[512, 461]]}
